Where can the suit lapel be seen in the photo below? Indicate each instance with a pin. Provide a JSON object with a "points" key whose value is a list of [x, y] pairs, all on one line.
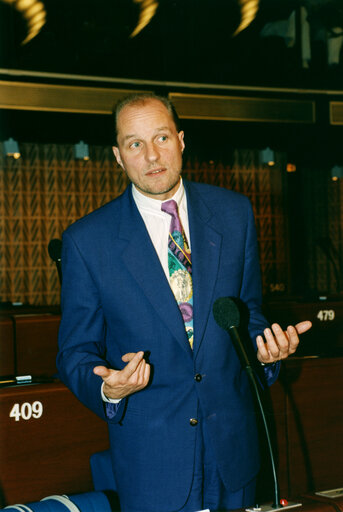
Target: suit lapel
{"points": [[141, 260], [206, 246]]}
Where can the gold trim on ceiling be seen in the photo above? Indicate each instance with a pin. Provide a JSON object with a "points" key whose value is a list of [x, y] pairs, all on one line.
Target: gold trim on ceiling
{"points": [[139, 82], [59, 98], [234, 108], [96, 100], [336, 112]]}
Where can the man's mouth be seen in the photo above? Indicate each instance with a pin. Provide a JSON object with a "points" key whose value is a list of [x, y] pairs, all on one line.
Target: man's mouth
{"points": [[155, 171]]}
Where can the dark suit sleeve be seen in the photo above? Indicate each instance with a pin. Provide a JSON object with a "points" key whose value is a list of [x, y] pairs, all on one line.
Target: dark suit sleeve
{"points": [[251, 293], [82, 330]]}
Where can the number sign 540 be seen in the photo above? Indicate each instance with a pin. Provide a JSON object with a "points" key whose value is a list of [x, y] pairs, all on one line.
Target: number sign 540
{"points": [[26, 411]]}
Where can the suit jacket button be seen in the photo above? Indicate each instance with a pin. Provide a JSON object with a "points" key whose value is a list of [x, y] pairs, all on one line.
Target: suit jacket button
{"points": [[193, 422], [198, 377]]}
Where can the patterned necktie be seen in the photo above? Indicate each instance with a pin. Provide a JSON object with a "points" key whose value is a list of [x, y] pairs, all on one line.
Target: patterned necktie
{"points": [[180, 267]]}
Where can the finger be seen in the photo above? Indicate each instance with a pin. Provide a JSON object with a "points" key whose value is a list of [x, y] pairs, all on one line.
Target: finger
{"points": [[132, 366], [262, 352], [127, 357], [146, 374], [303, 326], [135, 380], [141, 370], [102, 371], [293, 338], [273, 347], [281, 338], [138, 376]]}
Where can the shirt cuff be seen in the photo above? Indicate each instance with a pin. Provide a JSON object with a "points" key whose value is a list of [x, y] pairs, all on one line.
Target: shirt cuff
{"points": [[108, 400], [271, 371]]}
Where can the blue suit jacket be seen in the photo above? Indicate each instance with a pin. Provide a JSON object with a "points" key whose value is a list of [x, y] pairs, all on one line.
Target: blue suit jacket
{"points": [[116, 299]]}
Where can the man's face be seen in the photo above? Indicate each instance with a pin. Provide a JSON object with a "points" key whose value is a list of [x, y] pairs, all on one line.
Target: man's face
{"points": [[149, 148]]}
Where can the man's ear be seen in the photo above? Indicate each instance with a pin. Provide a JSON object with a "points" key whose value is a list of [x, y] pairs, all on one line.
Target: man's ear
{"points": [[117, 156], [181, 135]]}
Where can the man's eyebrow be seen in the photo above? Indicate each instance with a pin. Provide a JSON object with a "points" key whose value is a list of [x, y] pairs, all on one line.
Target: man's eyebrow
{"points": [[163, 128], [134, 136]]}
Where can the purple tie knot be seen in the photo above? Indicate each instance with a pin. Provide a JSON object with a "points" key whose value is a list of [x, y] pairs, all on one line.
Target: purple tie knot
{"points": [[171, 208]]}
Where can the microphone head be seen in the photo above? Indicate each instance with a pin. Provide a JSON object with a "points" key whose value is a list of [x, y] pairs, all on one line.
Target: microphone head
{"points": [[55, 249], [226, 313]]}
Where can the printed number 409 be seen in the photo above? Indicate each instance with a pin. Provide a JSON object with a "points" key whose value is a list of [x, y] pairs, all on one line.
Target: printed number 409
{"points": [[26, 411]]}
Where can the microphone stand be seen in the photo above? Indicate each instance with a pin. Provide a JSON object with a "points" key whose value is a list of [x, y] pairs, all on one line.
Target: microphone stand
{"points": [[243, 357]]}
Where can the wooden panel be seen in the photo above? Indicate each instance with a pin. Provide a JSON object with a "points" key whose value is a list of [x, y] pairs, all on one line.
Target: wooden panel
{"points": [[336, 112], [41, 194], [36, 344], [234, 108], [309, 505], [50, 454], [6, 346], [60, 98], [305, 414], [336, 502], [315, 424]]}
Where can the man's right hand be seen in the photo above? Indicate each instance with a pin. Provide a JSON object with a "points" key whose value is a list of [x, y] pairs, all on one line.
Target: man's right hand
{"points": [[121, 383]]}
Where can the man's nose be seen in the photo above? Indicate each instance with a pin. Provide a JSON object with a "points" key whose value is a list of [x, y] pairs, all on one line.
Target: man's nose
{"points": [[152, 154]]}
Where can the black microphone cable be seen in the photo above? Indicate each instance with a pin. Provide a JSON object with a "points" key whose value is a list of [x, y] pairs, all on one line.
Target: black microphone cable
{"points": [[227, 316]]}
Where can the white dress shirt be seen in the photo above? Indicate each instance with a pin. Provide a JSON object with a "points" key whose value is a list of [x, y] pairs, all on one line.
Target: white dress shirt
{"points": [[157, 223]]}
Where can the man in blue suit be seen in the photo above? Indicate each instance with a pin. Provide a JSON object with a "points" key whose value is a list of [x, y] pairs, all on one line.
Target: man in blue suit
{"points": [[179, 408]]}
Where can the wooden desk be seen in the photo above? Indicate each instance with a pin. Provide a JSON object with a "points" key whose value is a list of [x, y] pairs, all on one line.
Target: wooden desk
{"points": [[335, 502], [36, 343], [7, 361], [47, 454], [306, 413]]}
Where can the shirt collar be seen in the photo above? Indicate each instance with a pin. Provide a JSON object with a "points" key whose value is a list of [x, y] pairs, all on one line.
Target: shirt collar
{"points": [[149, 203]]}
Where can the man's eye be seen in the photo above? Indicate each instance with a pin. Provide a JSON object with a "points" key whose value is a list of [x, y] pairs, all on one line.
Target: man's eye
{"points": [[134, 145], [163, 138]]}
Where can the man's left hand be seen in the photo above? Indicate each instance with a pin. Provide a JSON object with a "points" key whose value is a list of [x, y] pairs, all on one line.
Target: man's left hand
{"points": [[279, 344]]}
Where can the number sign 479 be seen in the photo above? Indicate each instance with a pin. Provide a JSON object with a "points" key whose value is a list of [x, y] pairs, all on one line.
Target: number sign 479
{"points": [[326, 315]]}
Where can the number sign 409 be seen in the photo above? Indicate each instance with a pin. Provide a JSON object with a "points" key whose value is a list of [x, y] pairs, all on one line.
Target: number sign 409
{"points": [[26, 411]]}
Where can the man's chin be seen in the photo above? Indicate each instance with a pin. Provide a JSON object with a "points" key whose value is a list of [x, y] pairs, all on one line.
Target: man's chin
{"points": [[158, 191]]}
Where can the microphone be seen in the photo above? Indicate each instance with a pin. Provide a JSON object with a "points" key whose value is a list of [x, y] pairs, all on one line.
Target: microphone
{"points": [[227, 316], [55, 253]]}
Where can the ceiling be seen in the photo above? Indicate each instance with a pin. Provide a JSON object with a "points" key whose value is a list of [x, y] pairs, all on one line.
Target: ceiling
{"points": [[290, 43]]}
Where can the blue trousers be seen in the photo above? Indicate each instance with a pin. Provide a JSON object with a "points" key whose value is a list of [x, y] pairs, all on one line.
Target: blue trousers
{"points": [[208, 490]]}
